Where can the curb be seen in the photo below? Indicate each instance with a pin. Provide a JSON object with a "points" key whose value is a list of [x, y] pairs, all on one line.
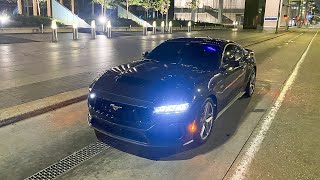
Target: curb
{"points": [[27, 110], [267, 39]]}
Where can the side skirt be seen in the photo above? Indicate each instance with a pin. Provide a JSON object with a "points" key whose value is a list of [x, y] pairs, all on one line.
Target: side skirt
{"points": [[230, 104]]}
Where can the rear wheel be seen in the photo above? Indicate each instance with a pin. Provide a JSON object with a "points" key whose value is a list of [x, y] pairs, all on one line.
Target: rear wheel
{"points": [[206, 121], [251, 84]]}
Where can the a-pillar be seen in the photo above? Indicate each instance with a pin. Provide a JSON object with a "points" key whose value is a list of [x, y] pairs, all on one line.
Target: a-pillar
{"points": [[49, 13], [19, 6], [220, 11], [72, 6], [35, 7]]}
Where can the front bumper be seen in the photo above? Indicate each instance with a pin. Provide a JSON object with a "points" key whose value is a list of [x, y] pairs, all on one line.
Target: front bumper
{"points": [[165, 132]]}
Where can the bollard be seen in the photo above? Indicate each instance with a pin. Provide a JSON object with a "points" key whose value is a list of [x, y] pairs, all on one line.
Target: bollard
{"points": [[154, 27], [170, 27], [189, 26], [109, 29], [54, 31], [41, 28], [235, 26], [93, 29], [162, 27], [144, 30], [75, 31]]}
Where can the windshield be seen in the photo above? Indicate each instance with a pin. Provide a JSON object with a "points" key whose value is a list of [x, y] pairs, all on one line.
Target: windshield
{"points": [[197, 54]]}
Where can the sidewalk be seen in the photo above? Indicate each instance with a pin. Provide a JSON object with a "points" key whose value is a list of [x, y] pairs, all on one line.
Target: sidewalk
{"points": [[290, 149]]}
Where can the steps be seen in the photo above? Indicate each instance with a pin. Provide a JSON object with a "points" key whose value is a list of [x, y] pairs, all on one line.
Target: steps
{"points": [[64, 15], [122, 13]]}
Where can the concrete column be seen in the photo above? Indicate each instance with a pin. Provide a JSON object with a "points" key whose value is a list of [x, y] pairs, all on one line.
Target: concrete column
{"points": [[72, 6], [19, 3], [49, 13], [271, 13], [35, 7], [220, 11]]}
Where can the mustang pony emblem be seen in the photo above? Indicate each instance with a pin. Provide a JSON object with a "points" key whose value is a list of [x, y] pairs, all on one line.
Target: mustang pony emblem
{"points": [[114, 107]]}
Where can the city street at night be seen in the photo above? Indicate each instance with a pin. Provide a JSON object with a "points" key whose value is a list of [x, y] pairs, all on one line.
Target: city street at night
{"points": [[44, 132]]}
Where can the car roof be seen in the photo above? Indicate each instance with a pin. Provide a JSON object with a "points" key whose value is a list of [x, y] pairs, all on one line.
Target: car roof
{"points": [[216, 41]]}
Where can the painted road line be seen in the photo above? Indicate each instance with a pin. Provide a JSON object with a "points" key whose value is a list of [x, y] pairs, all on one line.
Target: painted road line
{"points": [[255, 144], [290, 40], [70, 162]]}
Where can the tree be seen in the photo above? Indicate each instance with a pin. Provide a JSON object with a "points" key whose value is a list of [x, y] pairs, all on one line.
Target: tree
{"points": [[129, 3], [162, 6], [105, 4], [193, 5], [147, 4]]}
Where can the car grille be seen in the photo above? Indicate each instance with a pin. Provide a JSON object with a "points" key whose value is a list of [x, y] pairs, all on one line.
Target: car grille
{"points": [[127, 115]]}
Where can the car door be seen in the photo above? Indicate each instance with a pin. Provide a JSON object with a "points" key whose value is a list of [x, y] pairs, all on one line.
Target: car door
{"points": [[232, 73], [240, 69]]}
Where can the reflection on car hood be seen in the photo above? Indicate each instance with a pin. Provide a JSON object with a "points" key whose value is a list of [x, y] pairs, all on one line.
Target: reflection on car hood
{"points": [[151, 81]]}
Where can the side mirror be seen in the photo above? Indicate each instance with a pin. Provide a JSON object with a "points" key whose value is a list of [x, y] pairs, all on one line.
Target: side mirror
{"points": [[145, 54], [249, 52]]}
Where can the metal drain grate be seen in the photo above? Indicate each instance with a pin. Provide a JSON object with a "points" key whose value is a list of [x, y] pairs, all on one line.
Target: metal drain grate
{"points": [[70, 161]]}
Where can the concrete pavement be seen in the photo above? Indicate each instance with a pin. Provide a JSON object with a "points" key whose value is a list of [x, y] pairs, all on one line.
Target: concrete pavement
{"points": [[290, 149], [38, 142]]}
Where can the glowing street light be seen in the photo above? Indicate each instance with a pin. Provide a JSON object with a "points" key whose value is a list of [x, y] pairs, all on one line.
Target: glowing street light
{"points": [[4, 19], [102, 19]]}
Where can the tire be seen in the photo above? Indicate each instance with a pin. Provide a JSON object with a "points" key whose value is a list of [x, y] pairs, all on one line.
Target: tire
{"points": [[206, 118], [251, 85]]}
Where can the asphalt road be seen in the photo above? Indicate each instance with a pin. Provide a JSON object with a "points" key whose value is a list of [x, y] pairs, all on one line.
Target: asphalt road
{"points": [[34, 144]]}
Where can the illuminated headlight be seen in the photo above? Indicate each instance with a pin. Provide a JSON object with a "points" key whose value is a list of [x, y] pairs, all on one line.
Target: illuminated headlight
{"points": [[171, 109], [92, 95]]}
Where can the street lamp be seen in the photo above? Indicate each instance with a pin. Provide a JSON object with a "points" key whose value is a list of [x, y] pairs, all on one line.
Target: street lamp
{"points": [[4, 19], [103, 21]]}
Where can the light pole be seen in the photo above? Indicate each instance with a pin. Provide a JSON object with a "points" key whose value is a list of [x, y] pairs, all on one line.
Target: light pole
{"points": [[278, 19]]}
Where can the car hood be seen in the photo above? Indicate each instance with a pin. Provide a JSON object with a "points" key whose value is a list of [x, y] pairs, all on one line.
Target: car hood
{"points": [[151, 81]]}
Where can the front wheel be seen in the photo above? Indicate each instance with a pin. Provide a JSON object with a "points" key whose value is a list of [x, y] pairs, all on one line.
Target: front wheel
{"points": [[251, 84], [206, 121]]}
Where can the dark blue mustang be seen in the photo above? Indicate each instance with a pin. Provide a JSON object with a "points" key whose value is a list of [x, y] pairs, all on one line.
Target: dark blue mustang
{"points": [[173, 95]]}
